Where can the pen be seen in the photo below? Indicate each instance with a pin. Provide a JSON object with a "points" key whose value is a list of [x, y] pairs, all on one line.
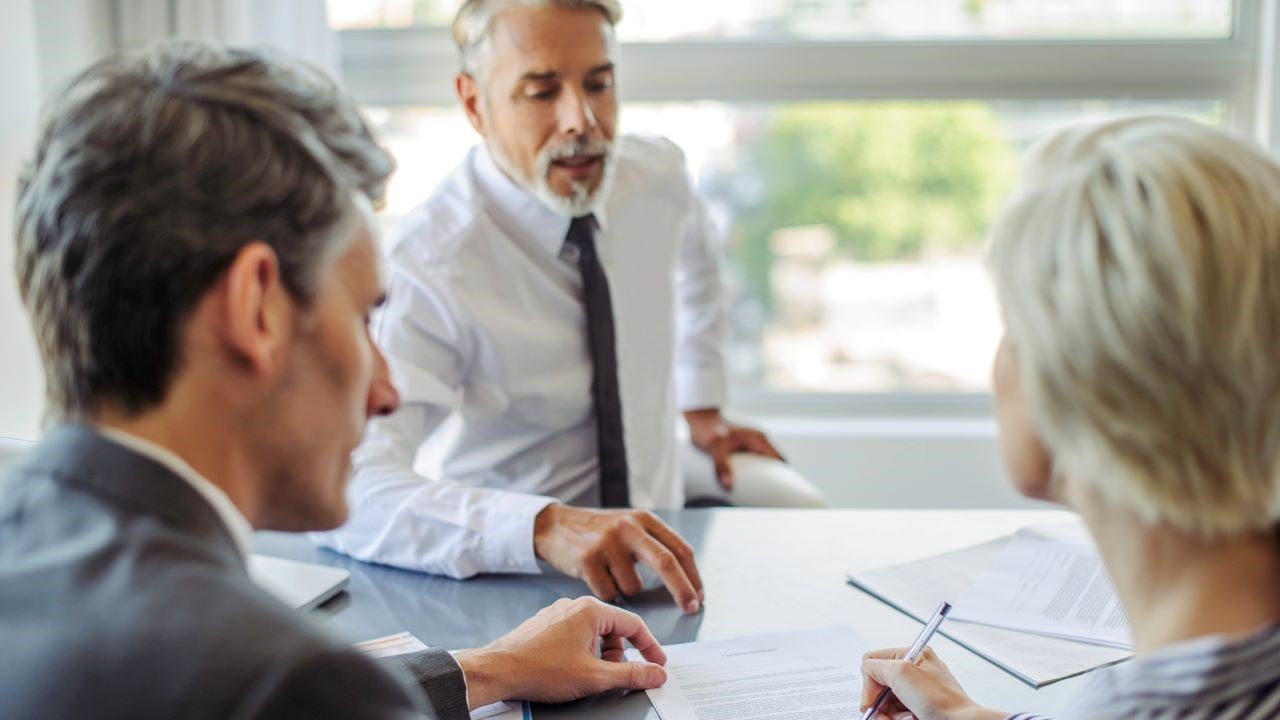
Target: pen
{"points": [[913, 654]]}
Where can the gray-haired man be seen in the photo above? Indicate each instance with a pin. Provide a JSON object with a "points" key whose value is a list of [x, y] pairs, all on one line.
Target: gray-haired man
{"points": [[556, 306], [195, 249]]}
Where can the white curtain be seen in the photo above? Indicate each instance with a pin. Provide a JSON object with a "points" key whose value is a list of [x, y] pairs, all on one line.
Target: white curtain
{"points": [[21, 382], [296, 27]]}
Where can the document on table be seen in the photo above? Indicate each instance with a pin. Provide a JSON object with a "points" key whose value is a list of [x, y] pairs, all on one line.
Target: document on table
{"points": [[404, 643], [1047, 587], [916, 588], [804, 675], [391, 645]]}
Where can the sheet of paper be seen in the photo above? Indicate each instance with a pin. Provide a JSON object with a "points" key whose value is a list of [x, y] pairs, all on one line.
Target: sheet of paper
{"points": [[1047, 587], [805, 675], [502, 711], [404, 643], [917, 587], [391, 645]]}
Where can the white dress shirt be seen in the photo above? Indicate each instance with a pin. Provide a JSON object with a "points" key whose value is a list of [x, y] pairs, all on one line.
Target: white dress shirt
{"points": [[237, 525], [485, 334]]}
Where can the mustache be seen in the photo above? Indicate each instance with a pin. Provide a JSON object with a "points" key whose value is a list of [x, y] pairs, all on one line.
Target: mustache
{"points": [[577, 147]]}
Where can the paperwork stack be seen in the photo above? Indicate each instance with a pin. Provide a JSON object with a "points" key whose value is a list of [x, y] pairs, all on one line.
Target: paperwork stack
{"points": [[1037, 604]]}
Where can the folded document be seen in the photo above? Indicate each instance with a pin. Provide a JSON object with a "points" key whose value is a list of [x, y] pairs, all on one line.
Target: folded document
{"points": [[1037, 659]]}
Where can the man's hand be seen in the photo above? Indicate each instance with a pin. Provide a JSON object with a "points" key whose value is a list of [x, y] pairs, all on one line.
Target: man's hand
{"points": [[603, 546], [719, 438], [924, 689], [552, 656]]}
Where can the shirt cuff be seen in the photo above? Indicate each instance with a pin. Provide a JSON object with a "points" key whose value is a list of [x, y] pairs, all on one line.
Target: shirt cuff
{"points": [[439, 676], [701, 388], [508, 534]]}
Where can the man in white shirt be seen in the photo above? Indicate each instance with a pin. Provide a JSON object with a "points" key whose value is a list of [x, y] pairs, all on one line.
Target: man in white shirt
{"points": [[552, 305]]}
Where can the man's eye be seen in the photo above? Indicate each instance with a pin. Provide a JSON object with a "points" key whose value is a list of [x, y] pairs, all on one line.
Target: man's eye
{"points": [[598, 87], [542, 95]]}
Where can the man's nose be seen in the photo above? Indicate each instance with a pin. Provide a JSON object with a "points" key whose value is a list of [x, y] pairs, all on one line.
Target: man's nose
{"points": [[576, 115], [384, 399]]}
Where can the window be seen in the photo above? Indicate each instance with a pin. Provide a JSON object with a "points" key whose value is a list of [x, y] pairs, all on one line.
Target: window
{"points": [[854, 152], [854, 230], [666, 20]]}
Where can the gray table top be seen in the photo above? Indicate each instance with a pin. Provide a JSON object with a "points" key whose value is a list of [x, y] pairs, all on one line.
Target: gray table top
{"points": [[763, 570]]}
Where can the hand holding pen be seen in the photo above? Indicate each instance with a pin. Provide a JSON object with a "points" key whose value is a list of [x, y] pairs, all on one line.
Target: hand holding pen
{"points": [[913, 654], [913, 682]]}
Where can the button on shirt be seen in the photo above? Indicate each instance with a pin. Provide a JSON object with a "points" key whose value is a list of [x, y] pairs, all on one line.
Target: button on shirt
{"points": [[485, 334]]}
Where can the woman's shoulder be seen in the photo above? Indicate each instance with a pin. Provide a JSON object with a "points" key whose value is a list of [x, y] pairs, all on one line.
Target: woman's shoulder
{"points": [[1206, 677]]}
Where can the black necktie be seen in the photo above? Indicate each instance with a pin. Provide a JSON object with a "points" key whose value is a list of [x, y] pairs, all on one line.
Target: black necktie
{"points": [[604, 361]]}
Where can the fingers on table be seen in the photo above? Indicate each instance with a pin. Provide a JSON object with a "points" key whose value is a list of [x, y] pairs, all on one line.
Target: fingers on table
{"points": [[682, 550]]}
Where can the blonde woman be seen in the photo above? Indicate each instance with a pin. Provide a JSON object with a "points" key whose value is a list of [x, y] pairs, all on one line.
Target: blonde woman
{"points": [[1138, 268]]}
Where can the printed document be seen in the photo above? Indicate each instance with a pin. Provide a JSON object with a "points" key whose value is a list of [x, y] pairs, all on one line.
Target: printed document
{"points": [[804, 675], [1047, 587], [391, 645], [917, 587]]}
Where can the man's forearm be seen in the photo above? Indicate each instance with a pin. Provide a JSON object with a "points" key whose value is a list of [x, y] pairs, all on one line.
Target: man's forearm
{"points": [[437, 526]]}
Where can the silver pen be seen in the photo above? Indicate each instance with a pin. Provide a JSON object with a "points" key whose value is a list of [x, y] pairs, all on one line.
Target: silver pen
{"points": [[922, 641]]}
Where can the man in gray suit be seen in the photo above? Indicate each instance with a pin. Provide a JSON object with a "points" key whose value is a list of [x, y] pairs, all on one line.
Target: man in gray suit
{"points": [[196, 250]]}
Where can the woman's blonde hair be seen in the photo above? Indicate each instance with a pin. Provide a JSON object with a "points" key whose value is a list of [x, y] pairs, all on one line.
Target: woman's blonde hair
{"points": [[1138, 267]]}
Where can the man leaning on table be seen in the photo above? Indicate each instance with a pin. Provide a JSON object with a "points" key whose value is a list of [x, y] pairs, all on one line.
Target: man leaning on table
{"points": [[195, 248], [552, 304]]}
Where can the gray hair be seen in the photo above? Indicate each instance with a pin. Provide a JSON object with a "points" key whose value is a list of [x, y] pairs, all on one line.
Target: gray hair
{"points": [[474, 22], [151, 173], [1138, 268]]}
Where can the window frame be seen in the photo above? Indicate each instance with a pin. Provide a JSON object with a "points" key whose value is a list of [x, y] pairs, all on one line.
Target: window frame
{"points": [[416, 67]]}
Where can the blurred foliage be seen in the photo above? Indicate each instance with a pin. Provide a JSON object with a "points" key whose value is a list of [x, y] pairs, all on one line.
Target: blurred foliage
{"points": [[434, 12], [891, 180]]}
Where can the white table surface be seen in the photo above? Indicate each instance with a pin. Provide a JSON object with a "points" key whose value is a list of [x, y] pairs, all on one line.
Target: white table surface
{"points": [[764, 571]]}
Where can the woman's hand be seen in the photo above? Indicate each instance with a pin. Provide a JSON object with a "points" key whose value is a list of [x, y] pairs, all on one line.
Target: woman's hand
{"points": [[924, 689]]}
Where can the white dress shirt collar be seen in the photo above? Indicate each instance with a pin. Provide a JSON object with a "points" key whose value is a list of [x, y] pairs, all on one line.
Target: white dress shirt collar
{"points": [[237, 525], [546, 227]]}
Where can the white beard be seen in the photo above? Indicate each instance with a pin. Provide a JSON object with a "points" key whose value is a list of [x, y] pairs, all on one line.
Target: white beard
{"points": [[583, 201]]}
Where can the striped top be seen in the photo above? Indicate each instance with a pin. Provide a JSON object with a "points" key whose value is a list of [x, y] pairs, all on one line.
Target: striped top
{"points": [[1209, 677]]}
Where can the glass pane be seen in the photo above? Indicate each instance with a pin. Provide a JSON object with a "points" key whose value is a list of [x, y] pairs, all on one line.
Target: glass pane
{"points": [[659, 20], [854, 230]]}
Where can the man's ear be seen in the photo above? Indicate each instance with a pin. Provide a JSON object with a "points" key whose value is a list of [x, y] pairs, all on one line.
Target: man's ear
{"points": [[469, 96], [257, 309]]}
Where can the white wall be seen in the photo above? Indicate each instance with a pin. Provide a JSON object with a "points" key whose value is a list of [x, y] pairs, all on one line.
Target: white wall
{"points": [[896, 462], [20, 379], [1268, 94], [70, 36], [44, 43]]}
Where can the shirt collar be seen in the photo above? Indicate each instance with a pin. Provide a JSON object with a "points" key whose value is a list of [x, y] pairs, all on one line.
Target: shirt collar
{"points": [[237, 525], [546, 227]]}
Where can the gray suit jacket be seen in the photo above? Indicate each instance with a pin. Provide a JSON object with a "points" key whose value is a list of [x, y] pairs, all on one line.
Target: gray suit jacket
{"points": [[122, 595]]}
